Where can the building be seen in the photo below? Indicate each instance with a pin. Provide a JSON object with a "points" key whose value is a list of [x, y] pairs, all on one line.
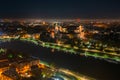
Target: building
{"points": [[14, 68]]}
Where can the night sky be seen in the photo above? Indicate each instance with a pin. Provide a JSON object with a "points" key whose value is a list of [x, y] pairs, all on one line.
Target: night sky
{"points": [[59, 9]]}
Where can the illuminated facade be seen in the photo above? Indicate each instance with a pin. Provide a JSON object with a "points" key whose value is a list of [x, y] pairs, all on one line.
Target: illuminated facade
{"points": [[81, 32], [16, 68]]}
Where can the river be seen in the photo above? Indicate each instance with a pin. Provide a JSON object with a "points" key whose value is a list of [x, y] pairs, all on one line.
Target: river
{"points": [[89, 66]]}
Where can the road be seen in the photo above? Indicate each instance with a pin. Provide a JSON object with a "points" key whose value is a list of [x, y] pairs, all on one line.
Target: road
{"points": [[67, 74]]}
